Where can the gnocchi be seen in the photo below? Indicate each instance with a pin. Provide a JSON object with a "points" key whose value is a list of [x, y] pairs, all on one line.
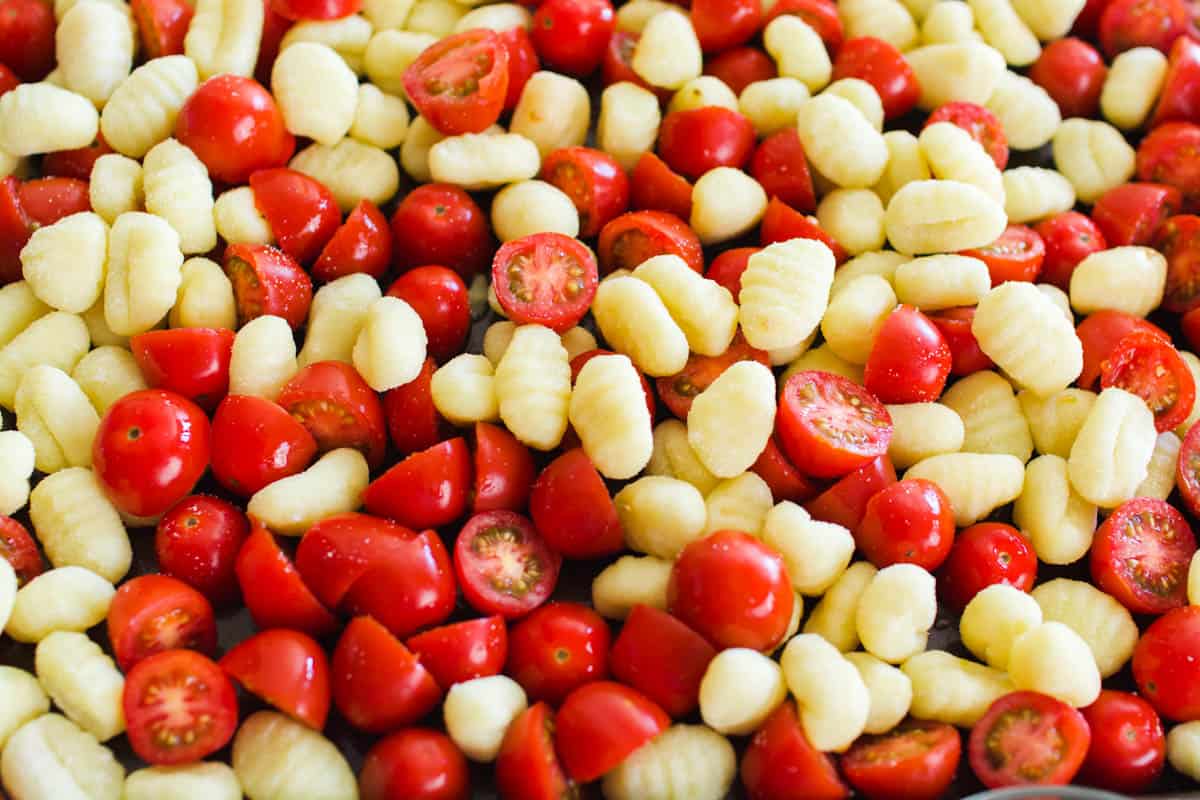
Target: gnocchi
{"points": [[64, 263], [479, 711], [1027, 336], [703, 309], [923, 430], [816, 553], [533, 387], [334, 484], [83, 682], [730, 421], [739, 504], [831, 697], [835, 617], [1052, 659], [991, 415], [205, 780], [896, 611], [633, 319], [889, 688], [78, 526], [976, 483], [58, 418], [785, 292], [673, 457], [740, 689], [464, 390], [685, 762], [1111, 454], [61, 599], [1101, 621], [390, 348], [994, 619], [631, 581], [938, 216], [51, 758], [24, 700], [275, 756], [951, 689], [264, 357], [660, 515], [608, 413], [1056, 519]]}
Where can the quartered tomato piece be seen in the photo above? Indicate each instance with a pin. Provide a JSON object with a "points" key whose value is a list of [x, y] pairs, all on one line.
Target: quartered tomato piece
{"points": [[966, 356], [1179, 98], [571, 35], [413, 421], [680, 390], [594, 181], [1126, 24], [1168, 155], [527, 768], [722, 24], [695, 141], [426, 490], [1128, 744], [983, 554], [338, 408], [1144, 364], [459, 83], [1100, 334], [193, 362], [654, 186], [845, 502], [232, 124], [75, 163], [504, 565], [915, 761], [880, 64], [632, 238], [255, 443], [980, 123], [162, 25], [662, 658], [273, 591], [504, 470], [727, 268], [47, 200], [909, 522], [363, 243], [820, 15], [302, 213], [600, 724], [415, 764], [1165, 666], [781, 764], [781, 167], [1016, 256], [267, 280], [1026, 737], [1141, 556], [18, 549], [1132, 213], [1179, 242], [545, 279], [153, 613], [440, 224], [1069, 238], [782, 222], [462, 651], [198, 541], [286, 668], [785, 481], [378, 683], [910, 360], [829, 426], [739, 67], [1072, 72], [572, 509]]}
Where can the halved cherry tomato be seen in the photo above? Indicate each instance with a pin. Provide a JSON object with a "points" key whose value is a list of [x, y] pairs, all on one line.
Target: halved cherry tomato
{"points": [[662, 658], [232, 124], [426, 490], [162, 25], [267, 280], [571, 35], [459, 83], [362, 244], [980, 123], [545, 279], [527, 768], [462, 651], [255, 443], [820, 15], [1128, 745], [1069, 238], [1168, 155], [154, 613], [577, 364], [1016, 256], [1100, 333], [198, 541], [179, 707], [413, 421], [302, 213], [504, 470], [654, 186], [18, 549], [914, 761], [739, 67], [727, 268], [1126, 24], [1144, 364], [338, 408], [286, 668], [378, 683], [572, 509], [722, 24], [984, 554], [594, 181], [415, 764], [27, 38], [1027, 737], [1141, 556], [439, 297], [909, 522], [1165, 666], [615, 67], [1179, 242], [845, 502], [1187, 471], [1179, 98], [781, 167], [785, 481], [315, 9], [910, 360], [504, 565], [880, 64], [523, 62], [966, 356], [193, 362], [781, 764], [829, 426], [75, 163], [782, 222], [1132, 213], [556, 649], [600, 724], [631, 238], [440, 224], [680, 390], [1072, 72], [273, 590], [47, 200]]}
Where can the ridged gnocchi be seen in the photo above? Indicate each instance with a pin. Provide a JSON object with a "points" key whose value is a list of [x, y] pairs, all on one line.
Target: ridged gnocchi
{"points": [[951, 689], [608, 413], [533, 387], [78, 526], [1101, 621], [835, 617], [58, 418], [64, 263], [205, 780], [831, 697], [274, 757], [83, 682], [730, 421], [685, 762], [1111, 453], [633, 319], [785, 292], [994, 619], [991, 416], [976, 483], [62, 599], [1057, 520], [332, 485], [51, 758]]}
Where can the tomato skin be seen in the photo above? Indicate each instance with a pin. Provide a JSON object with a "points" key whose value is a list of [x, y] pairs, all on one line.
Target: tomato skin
{"points": [[781, 764], [338, 408], [1016, 256], [27, 38], [1126, 24], [415, 764], [440, 224], [782, 222], [880, 64], [822, 450], [654, 186], [522, 63], [75, 163], [571, 35], [981, 123], [727, 268], [527, 768], [14, 230], [273, 590], [462, 651], [984, 554], [413, 421], [1180, 95], [315, 9], [1141, 555], [1069, 238], [363, 244], [267, 280], [466, 103], [193, 362], [779, 164], [232, 124], [378, 683], [1073, 73], [275, 26], [1179, 242], [556, 649], [910, 360], [286, 668], [1128, 745], [1132, 213], [966, 356], [631, 238], [18, 549], [1146, 365], [426, 490], [845, 502], [1022, 715], [301, 211], [600, 724], [1100, 333], [662, 658], [572, 509], [1165, 666], [722, 24], [595, 182], [504, 470], [162, 25], [909, 522], [1168, 156], [198, 541], [785, 481], [439, 297], [886, 767], [680, 390], [739, 67], [1187, 471], [545, 279], [155, 613], [255, 443], [47, 200], [503, 564]]}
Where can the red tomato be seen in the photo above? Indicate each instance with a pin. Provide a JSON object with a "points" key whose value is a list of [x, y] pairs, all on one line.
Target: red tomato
{"points": [[527, 768], [1165, 665], [845, 502], [233, 125], [782, 222], [785, 481], [556, 649], [739, 67], [662, 658], [427, 489], [75, 163], [593, 179], [909, 522], [10, 81], [255, 443], [302, 213], [571, 35], [275, 26], [1179, 242], [1132, 213], [1069, 238], [781, 764], [733, 590], [439, 297], [459, 83], [149, 451], [1179, 98], [572, 509], [1126, 24], [1141, 556], [980, 123], [1128, 746], [504, 565], [680, 390], [1146, 365], [15, 230], [722, 24], [615, 67], [504, 470], [880, 64], [984, 554], [315, 9], [1100, 333], [915, 761], [413, 421], [1072, 72], [600, 724], [781, 167], [1016, 256], [631, 238], [1168, 156], [198, 540], [415, 764], [820, 15], [1088, 21], [522, 63], [27, 38], [545, 279], [656, 187], [728, 266], [338, 408], [154, 613], [440, 224], [267, 280], [1187, 472], [273, 591], [829, 426], [462, 651], [193, 362], [966, 356], [910, 360], [47, 200], [378, 683], [179, 707], [286, 668], [362, 244], [1027, 737], [18, 549], [162, 24]]}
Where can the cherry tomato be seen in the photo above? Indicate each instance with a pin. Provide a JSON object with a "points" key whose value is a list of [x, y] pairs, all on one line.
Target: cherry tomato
{"points": [[523, 62], [656, 187], [1128, 746], [662, 658], [829, 426], [785, 481], [504, 565], [1165, 665], [722, 24], [632, 238], [572, 509], [1016, 256], [302, 213], [193, 362], [1179, 242], [984, 554], [267, 280], [15, 230], [273, 590], [1069, 238], [571, 35], [1100, 334], [914, 761], [1141, 556], [232, 124], [527, 768], [556, 649], [10, 81], [680, 390], [378, 683], [966, 357], [439, 297], [459, 83], [616, 65], [504, 470], [600, 724], [47, 200], [363, 243], [75, 163], [545, 279], [593, 179], [1179, 98], [782, 222], [1187, 471], [315, 9], [1132, 213], [1146, 365], [162, 25], [910, 360], [980, 123], [727, 268], [781, 764], [154, 613], [739, 67], [845, 502], [1027, 737], [286, 668], [820, 15], [27, 38], [909, 522], [880, 64], [1168, 156], [1088, 21], [462, 651], [179, 707], [781, 167], [255, 443], [1072, 72], [426, 490], [198, 540], [440, 224], [275, 26], [149, 451], [413, 421], [1126, 24], [415, 764], [18, 549], [338, 408]]}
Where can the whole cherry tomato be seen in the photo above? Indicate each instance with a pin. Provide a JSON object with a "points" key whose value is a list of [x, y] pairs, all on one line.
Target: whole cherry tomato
{"points": [[27, 38], [1026, 737], [1069, 238], [1141, 554], [781, 167], [315, 9], [415, 764], [232, 124], [594, 181], [1126, 24], [572, 509], [413, 421], [909, 522], [739, 67], [571, 35], [527, 768], [630, 239], [984, 554], [462, 651], [198, 541], [910, 360], [556, 649], [966, 357], [504, 470], [162, 25], [1168, 156], [545, 279], [695, 141], [1016, 256], [1072, 72], [338, 408], [18, 549], [781, 764], [662, 658], [439, 297], [459, 83], [915, 761], [426, 490], [301, 211], [600, 724], [362, 244], [286, 668], [829, 426], [193, 362], [976, 120], [722, 24], [880, 64], [255, 443], [440, 224], [656, 187], [1165, 665], [504, 565], [1132, 213], [273, 590], [378, 684], [154, 613], [1179, 98], [1128, 745], [267, 280]]}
